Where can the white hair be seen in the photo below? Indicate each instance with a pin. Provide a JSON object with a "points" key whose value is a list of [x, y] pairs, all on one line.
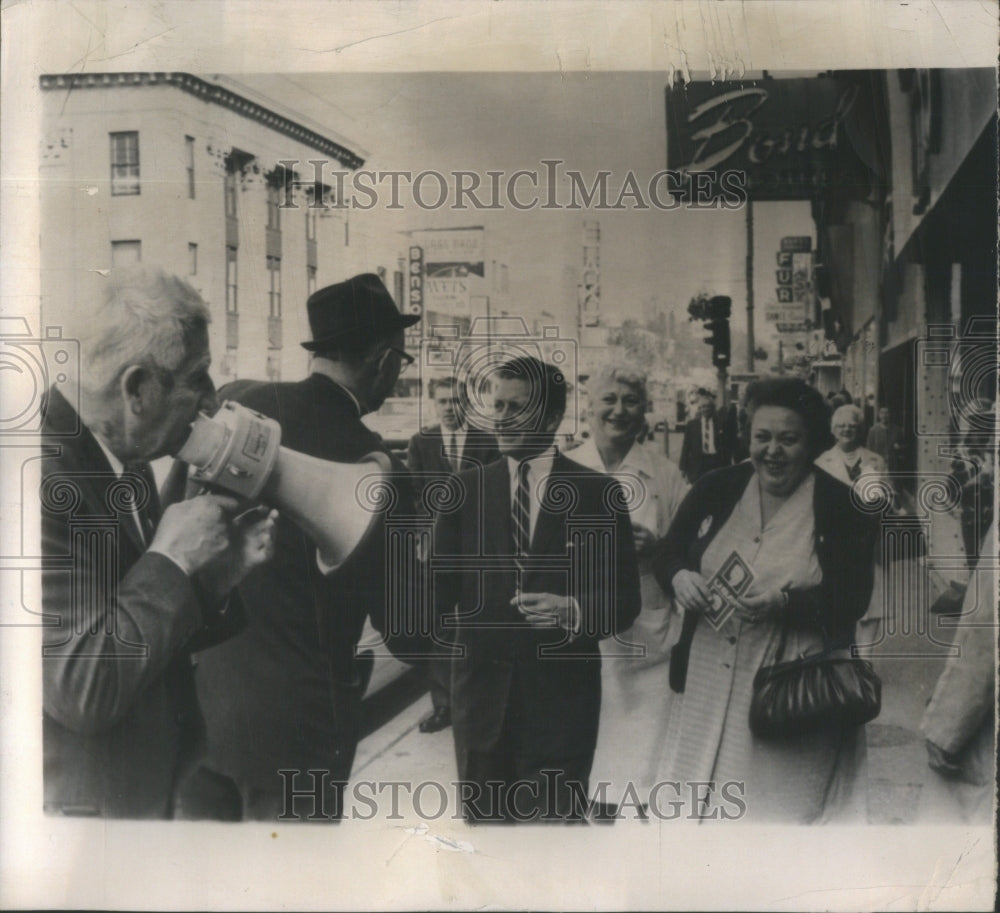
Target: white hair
{"points": [[618, 372], [847, 411], [147, 317]]}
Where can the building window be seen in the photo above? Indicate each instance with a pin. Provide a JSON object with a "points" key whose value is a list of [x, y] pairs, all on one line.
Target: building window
{"points": [[125, 164], [124, 253], [310, 279], [274, 293], [274, 207], [230, 194], [189, 153], [192, 259], [231, 286]]}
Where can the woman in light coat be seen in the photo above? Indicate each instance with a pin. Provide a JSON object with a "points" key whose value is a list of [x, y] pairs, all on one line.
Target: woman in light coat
{"points": [[635, 696], [865, 471]]}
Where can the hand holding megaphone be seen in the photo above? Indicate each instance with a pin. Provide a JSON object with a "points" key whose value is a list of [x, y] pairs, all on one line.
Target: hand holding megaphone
{"points": [[240, 451]]}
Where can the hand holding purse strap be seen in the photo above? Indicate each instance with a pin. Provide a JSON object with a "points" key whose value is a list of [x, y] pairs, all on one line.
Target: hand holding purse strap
{"points": [[812, 693]]}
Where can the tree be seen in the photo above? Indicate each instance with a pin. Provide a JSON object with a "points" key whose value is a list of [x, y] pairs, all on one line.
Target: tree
{"points": [[642, 347]]}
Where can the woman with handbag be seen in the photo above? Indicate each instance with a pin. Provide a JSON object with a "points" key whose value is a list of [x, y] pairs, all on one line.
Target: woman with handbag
{"points": [[805, 553]]}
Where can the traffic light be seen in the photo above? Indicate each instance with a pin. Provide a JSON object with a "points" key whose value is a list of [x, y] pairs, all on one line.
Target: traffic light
{"points": [[719, 341], [719, 309]]}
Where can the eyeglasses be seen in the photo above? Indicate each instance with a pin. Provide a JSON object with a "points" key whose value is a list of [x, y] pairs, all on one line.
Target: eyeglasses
{"points": [[405, 358]]}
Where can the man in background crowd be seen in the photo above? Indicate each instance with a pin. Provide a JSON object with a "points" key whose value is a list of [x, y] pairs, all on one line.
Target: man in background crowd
{"points": [[708, 441], [450, 446], [886, 439]]}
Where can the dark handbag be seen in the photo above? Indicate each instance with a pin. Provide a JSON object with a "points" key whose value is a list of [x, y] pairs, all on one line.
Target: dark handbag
{"points": [[824, 691]]}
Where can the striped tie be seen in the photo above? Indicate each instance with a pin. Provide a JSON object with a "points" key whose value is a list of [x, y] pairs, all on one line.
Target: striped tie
{"points": [[522, 513]]}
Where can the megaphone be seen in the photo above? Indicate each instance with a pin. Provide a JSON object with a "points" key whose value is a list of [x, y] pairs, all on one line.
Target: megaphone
{"points": [[239, 451]]}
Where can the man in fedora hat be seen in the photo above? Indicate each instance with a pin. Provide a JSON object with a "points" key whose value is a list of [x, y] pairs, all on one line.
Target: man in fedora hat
{"points": [[285, 695]]}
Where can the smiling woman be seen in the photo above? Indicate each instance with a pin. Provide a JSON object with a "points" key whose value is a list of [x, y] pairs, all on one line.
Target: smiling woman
{"points": [[635, 694], [810, 553]]}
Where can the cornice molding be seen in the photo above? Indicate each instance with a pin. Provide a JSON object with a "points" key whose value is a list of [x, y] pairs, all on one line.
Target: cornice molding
{"points": [[212, 93]]}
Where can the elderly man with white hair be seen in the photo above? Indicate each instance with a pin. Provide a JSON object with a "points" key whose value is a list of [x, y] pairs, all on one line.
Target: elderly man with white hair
{"points": [[128, 593], [636, 694]]}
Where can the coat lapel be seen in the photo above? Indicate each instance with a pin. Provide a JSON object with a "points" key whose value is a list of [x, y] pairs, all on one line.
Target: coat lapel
{"points": [[60, 417], [550, 527], [496, 520]]}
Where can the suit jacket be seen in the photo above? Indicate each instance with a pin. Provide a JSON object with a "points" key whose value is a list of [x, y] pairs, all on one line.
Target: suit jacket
{"points": [[426, 456], [693, 462], [885, 440], [286, 692], [426, 450], [121, 722], [583, 539]]}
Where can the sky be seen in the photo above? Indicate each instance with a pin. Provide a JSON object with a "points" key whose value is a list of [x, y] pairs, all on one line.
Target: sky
{"points": [[591, 122]]}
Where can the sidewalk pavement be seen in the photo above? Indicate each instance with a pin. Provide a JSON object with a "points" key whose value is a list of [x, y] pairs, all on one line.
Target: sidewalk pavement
{"points": [[902, 789]]}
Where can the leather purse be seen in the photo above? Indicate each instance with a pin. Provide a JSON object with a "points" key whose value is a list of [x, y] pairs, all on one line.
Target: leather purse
{"points": [[827, 690]]}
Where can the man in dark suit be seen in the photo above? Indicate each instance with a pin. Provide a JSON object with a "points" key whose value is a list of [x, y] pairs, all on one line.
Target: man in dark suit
{"points": [[285, 695], [440, 450], [708, 440], [539, 561], [128, 594], [886, 439]]}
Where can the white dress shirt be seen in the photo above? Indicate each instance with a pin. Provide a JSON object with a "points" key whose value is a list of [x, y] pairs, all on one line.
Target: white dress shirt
{"points": [[707, 435], [454, 445], [539, 470]]}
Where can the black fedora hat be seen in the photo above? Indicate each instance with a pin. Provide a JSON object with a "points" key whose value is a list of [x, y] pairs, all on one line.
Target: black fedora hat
{"points": [[357, 312]]}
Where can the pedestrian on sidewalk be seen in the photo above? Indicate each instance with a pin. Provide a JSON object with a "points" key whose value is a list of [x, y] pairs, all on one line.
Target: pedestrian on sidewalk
{"points": [[809, 550], [434, 453], [635, 690], [959, 723], [865, 471]]}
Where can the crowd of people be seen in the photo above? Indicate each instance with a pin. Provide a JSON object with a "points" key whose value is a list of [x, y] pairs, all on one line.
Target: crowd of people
{"points": [[591, 624]]}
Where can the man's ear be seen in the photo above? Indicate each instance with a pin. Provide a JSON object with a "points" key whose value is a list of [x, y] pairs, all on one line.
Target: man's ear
{"points": [[553, 421], [135, 387]]}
